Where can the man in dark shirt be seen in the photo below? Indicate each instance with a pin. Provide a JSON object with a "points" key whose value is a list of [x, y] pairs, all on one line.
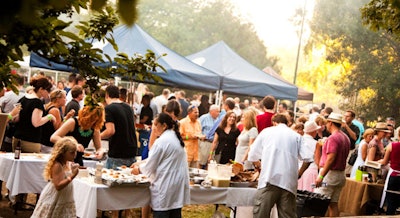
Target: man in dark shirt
{"points": [[351, 130], [146, 118], [77, 96], [180, 96], [120, 129]]}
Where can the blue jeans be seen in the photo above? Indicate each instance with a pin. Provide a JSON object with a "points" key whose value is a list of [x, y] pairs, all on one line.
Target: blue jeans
{"points": [[144, 137], [113, 163], [174, 213]]}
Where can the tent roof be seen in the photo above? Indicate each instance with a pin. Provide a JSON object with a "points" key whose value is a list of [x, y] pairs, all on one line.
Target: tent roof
{"points": [[302, 94], [239, 76], [181, 72]]}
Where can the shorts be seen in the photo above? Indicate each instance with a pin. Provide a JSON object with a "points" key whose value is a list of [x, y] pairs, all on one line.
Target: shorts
{"points": [[192, 152], [204, 151], [267, 197], [335, 181], [27, 147], [113, 163]]}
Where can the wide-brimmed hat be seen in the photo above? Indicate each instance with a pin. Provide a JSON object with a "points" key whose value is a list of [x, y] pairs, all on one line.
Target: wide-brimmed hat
{"points": [[381, 126], [311, 126], [334, 117]]}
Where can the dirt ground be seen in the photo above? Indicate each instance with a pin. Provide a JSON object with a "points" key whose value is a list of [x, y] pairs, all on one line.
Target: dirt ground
{"points": [[7, 212]]}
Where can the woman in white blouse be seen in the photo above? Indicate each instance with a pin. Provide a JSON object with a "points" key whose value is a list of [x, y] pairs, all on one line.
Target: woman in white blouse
{"points": [[167, 169], [362, 151]]}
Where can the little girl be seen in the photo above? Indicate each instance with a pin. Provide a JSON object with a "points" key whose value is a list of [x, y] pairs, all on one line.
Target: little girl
{"points": [[56, 199]]}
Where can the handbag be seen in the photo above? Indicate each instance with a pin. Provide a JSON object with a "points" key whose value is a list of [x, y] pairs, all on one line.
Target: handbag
{"points": [[353, 157]]}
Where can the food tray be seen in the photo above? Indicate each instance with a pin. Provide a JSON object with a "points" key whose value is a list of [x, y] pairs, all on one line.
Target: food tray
{"points": [[112, 178], [122, 183]]}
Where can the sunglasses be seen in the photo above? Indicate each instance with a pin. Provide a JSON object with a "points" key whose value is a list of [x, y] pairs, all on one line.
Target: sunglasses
{"points": [[191, 107]]}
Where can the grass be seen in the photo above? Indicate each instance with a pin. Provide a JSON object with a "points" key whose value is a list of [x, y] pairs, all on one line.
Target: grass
{"points": [[191, 211], [203, 211]]}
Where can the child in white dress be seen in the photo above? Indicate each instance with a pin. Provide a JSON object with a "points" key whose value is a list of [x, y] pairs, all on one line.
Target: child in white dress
{"points": [[56, 199]]}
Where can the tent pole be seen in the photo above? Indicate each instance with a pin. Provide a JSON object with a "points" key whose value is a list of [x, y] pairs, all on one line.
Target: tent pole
{"points": [[217, 97], [220, 98]]}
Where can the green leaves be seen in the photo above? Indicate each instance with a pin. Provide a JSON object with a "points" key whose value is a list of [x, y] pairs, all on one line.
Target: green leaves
{"points": [[127, 10], [69, 35], [138, 68], [98, 5], [38, 26], [382, 15]]}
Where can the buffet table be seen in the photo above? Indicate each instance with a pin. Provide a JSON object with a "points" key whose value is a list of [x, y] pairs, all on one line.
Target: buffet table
{"points": [[90, 197], [355, 195], [25, 175]]}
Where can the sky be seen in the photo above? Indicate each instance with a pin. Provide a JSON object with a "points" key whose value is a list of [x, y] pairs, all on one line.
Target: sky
{"points": [[271, 21]]}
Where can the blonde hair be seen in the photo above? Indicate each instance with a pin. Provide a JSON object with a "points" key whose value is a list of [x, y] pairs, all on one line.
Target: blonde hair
{"points": [[250, 119], [91, 117], [62, 146], [54, 96], [320, 120], [368, 132]]}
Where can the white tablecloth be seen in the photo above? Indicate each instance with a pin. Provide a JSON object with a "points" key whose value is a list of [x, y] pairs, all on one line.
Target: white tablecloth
{"points": [[25, 175], [229, 196], [90, 196]]}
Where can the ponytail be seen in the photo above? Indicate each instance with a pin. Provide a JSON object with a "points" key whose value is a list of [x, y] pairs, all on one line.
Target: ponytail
{"points": [[178, 134]]}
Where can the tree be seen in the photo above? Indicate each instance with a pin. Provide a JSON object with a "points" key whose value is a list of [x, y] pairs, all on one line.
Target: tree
{"points": [[190, 26], [37, 25], [382, 15], [367, 61]]}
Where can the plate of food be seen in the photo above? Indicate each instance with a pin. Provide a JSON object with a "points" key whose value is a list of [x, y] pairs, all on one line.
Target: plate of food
{"points": [[89, 156]]}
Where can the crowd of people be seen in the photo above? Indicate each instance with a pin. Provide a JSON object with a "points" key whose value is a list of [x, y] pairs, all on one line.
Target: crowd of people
{"points": [[172, 133]]}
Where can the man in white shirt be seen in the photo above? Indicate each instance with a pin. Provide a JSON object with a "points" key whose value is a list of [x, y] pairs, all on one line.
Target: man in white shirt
{"points": [[207, 122], [162, 99], [278, 148]]}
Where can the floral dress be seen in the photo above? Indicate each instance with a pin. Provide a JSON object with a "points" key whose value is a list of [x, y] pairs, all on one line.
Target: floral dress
{"points": [[53, 203]]}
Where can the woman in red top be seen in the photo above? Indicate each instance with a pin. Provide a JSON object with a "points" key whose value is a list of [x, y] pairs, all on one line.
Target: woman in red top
{"points": [[392, 155]]}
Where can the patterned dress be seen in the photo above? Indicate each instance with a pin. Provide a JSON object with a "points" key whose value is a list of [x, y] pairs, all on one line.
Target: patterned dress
{"points": [[53, 203]]}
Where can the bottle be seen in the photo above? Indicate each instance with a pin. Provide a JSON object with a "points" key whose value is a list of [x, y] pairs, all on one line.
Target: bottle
{"points": [[98, 173], [17, 150]]}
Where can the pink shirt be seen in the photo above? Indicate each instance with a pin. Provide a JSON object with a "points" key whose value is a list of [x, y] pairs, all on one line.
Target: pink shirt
{"points": [[338, 143], [380, 150]]}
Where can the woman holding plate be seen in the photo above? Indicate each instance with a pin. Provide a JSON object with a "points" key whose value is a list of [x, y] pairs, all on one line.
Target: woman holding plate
{"points": [[84, 128]]}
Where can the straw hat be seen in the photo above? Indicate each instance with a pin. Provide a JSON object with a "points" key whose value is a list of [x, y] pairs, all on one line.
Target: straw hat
{"points": [[334, 117], [381, 127], [311, 126]]}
